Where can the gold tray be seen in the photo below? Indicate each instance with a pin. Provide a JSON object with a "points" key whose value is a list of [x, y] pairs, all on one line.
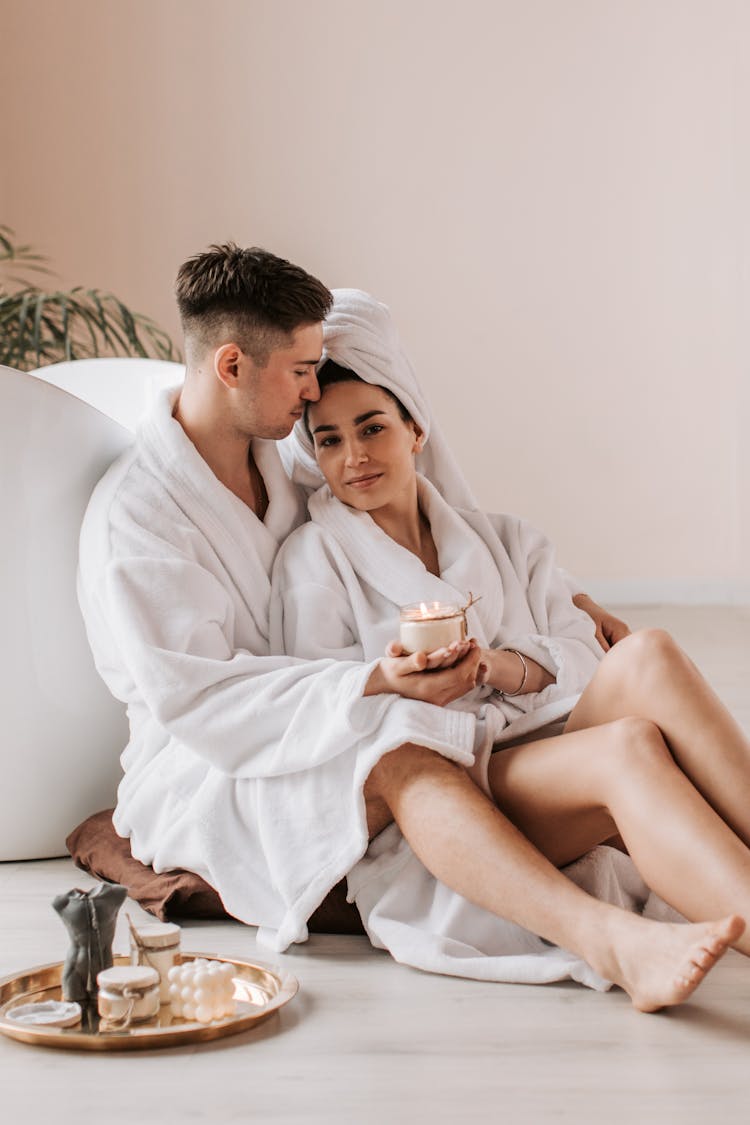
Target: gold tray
{"points": [[258, 992]]}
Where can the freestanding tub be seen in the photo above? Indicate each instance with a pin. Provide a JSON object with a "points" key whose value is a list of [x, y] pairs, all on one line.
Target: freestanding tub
{"points": [[121, 388], [62, 731]]}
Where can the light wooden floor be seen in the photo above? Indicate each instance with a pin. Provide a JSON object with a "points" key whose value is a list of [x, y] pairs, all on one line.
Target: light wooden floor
{"points": [[369, 1041]]}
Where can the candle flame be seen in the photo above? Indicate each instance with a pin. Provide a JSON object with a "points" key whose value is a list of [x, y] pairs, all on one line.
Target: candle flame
{"points": [[429, 611]]}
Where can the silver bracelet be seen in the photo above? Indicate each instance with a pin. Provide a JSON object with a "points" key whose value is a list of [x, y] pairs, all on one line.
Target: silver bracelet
{"points": [[522, 658]]}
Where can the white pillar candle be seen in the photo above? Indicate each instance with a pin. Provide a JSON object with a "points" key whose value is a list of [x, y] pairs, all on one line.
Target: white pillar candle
{"points": [[427, 626], [127, 994], [156, 944]]}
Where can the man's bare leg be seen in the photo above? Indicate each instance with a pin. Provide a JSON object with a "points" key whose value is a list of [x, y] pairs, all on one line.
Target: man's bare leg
{"points": [[647, 675], [468, 844]]}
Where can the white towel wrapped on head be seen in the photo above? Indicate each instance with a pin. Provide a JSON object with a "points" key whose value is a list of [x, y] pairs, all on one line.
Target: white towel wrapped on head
{"points": [[360, 334]]}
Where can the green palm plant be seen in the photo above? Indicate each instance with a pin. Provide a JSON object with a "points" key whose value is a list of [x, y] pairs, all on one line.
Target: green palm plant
{"points": [[39, 326]]}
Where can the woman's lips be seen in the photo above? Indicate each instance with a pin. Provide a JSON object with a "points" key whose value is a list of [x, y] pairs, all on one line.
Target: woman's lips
{"points": [[364, 482]]}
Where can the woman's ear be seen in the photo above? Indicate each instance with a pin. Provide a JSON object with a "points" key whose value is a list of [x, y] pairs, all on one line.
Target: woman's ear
{"points": [[418, 438]]}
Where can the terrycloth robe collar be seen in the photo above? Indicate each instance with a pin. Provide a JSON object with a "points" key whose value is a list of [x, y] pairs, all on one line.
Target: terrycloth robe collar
{"points": [[246, 545], [402, 577]]}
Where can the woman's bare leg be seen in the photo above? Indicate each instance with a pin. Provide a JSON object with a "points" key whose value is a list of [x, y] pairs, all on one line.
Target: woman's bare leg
{"points": [[467, 843], [649, 676], [569, 793]]}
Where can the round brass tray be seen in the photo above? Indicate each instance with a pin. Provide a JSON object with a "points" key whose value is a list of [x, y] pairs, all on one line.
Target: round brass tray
{"points": [[258, 992]]}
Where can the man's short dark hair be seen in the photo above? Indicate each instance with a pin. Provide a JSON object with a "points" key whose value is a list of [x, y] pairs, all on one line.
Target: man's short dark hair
{"points": [[250, 297]]}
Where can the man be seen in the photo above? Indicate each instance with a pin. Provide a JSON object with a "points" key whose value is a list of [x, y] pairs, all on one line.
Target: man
{"points": [[249, 768], [243, 767]]}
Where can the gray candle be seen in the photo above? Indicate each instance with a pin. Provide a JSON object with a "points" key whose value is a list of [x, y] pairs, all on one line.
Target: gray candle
{"points": [[90, 918]]}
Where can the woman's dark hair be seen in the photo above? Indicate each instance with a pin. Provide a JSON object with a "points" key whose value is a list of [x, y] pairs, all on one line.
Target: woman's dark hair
{"points": [[332, 372]]}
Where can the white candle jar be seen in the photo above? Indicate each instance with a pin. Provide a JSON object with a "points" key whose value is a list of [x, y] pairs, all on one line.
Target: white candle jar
{"points": [[127, 994], [156, 944], [426, 626]]}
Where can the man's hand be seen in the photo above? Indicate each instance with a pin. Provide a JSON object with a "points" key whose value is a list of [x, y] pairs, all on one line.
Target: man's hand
{"points": [[609, 629], [438, 677]]}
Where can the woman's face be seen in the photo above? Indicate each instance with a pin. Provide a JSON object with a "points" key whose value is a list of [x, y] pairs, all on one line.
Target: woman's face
{"points": [[364, 447]]}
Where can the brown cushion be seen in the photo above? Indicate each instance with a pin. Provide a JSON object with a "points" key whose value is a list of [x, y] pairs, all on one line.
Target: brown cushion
{"points": [[96, 848]]}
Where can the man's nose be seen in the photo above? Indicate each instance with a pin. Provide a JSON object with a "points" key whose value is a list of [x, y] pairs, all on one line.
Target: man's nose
{"points": [[311, 389]]}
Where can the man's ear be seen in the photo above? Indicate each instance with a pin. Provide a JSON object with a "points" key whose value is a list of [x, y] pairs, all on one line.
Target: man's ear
{"points": [[226, 364]]}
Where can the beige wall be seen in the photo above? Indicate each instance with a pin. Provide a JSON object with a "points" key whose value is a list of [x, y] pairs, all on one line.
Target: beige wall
{"points": [[550, 194]]}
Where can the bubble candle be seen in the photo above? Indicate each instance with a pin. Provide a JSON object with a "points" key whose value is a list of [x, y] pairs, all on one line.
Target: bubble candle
{"points": [[202, 990]]}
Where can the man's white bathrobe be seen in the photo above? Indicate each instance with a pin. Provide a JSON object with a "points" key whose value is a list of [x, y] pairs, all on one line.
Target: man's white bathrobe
{"points": [[243, 767], [338, 584]]}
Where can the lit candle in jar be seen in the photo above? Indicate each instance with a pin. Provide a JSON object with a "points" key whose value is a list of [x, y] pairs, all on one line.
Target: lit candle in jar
{"points": [[426, 626]]}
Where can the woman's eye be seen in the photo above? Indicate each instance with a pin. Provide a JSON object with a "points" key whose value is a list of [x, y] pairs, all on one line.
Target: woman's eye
{"points": [[327, 441], [375, 428]]}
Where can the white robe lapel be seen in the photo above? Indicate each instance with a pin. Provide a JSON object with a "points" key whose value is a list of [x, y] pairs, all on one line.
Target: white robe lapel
{"points": [[400, 576], [244, 544], [287, 506], [465, 563]]}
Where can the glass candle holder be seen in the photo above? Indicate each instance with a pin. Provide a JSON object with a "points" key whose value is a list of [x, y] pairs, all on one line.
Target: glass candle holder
{"points": [[127, 994], [426, 626]]}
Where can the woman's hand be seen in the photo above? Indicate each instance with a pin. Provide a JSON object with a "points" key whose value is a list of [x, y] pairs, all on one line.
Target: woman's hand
{"points": [[437, 677], [609, 629], [503, 669], [444, 657]]}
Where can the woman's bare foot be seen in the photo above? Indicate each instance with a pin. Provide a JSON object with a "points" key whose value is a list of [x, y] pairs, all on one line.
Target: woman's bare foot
{"points": [[660, 963]]}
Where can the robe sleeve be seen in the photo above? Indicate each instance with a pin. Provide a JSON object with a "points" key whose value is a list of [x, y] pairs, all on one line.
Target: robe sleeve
{"points": [[168, 620], [311, 613], [317, 601], [572, 583], [565, 642]]}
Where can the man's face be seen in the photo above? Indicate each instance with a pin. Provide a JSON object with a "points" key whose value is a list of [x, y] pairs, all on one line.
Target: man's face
{"points": [[273, 397]]}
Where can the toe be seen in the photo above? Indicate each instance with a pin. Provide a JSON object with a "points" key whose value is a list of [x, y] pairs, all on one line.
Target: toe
{"points": [[704, 958]]}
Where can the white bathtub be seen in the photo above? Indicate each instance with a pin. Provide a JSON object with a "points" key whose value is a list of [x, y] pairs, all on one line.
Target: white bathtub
{"points": [[120, 388], [62, 731]]}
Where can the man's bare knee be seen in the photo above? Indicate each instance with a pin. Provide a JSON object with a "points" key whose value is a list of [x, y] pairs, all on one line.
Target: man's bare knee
{"points": [[389, 776], [403, 764]]}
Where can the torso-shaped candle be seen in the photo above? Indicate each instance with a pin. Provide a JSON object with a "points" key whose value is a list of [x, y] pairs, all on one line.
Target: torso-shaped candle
{"points": [[90, 918]]}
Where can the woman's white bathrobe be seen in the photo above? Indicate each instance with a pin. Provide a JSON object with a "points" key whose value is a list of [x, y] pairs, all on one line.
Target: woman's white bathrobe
{"points": [[243, 767], [338, 584]]}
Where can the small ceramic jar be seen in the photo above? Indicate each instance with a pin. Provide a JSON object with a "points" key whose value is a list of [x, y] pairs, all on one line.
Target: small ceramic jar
{"points": [[128, 994], [46, 1013], [156, 944]]}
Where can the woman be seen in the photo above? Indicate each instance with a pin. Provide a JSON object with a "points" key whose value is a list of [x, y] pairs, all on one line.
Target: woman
{"points": [[632, 761]]}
